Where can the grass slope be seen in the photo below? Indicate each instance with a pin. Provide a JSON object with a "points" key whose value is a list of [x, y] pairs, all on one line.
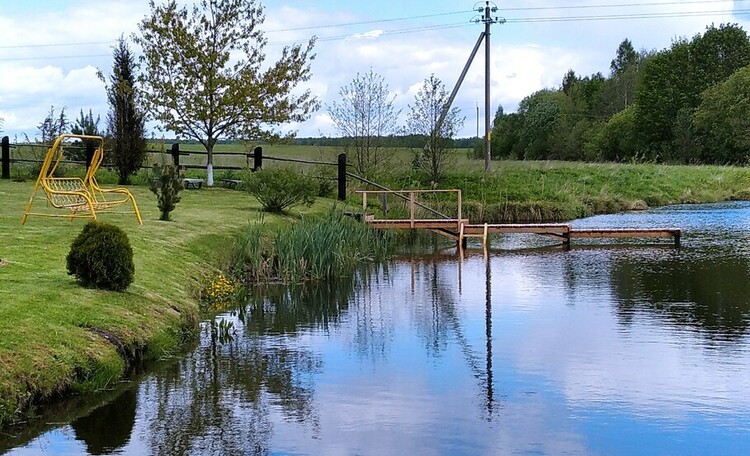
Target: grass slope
{"points": [[54, 333]]}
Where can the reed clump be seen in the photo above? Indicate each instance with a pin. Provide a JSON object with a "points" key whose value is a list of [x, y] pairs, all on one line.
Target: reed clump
{"points": [[312, 249]]}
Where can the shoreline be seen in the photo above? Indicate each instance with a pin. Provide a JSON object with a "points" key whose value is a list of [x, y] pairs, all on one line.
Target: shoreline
{"points": [[58, 339]]}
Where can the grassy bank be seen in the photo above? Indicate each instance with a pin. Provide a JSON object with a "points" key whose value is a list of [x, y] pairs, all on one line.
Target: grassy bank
{"points": [[554, 191], [57, 337]]}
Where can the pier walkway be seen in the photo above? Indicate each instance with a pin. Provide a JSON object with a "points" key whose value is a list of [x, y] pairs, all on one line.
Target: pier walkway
{"points": [[459, 228]]}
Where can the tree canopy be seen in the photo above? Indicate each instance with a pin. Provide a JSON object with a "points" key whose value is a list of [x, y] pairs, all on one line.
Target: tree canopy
{"points": [[683, 104], [365, 115], [205, 75], [422, 119], [126, 117]]}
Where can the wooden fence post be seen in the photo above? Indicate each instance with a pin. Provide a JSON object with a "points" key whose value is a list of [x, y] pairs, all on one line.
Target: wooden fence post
{"points": [[89, 153], [342, 177], [257, 158], [6, 157], [176, 155]]}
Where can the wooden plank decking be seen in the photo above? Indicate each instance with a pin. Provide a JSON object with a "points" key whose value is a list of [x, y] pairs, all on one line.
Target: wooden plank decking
{"points": [[460, 228]]}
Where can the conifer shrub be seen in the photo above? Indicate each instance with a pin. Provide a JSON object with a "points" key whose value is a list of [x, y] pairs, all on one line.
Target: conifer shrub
{"points": [[101, 256], [280, 188], [166, 184]]}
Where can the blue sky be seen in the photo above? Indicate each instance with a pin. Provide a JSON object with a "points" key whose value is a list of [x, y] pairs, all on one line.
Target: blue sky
{"points": [[50, 50]]}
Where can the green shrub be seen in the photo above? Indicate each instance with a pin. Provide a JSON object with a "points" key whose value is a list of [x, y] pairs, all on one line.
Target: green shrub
{"points": [[101, 256], [280, 188], [166, 184]]}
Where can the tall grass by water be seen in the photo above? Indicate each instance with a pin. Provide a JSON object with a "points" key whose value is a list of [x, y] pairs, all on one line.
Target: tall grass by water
{"points": [[313, 249]]}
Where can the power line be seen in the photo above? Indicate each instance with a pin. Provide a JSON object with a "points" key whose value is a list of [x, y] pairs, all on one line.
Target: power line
{"points": [[90, 43], [374, 21], [510, 20], [619, 5], [56, 57], [607, 17]]}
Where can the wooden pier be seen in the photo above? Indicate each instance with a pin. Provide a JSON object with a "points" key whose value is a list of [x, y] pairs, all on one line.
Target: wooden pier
{"points": [[460, 228]]}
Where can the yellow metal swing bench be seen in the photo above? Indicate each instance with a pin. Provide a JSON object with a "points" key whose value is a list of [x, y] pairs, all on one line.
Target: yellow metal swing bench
{"points": [[79, 197]]}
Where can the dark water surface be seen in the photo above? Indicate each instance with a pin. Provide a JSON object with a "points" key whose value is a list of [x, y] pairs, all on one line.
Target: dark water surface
{"points": [[634, 349]]}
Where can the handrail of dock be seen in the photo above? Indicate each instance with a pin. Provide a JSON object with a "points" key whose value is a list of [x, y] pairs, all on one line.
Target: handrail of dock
{"points": [[460, 229], [413, 203]]}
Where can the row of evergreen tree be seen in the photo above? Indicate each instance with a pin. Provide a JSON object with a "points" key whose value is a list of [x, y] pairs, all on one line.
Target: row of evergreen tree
{"points": [[685, 104]]}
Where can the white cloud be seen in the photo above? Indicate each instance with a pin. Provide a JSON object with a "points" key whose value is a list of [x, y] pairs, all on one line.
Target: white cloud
{"points": [[367, 35], [525, 56]]}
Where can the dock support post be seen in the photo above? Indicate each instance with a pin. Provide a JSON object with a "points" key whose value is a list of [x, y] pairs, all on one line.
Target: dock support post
{"points": [[677, 236], [411, 209], [6, 157], [566, 239]]}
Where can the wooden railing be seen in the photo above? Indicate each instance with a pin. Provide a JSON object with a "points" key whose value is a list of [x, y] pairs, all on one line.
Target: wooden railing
{"points": [[411, 197]]}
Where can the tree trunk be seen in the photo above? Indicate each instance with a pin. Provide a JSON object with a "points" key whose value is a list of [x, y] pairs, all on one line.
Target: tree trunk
{"points": [[210, 165]]}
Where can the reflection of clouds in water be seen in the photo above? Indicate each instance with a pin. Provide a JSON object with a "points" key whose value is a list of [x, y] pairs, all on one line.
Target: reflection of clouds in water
{"points": [[648, 370], [369, 420]]}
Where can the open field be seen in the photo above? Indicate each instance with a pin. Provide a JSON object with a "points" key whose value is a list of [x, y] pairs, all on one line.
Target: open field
{"points": [[52, 331]]}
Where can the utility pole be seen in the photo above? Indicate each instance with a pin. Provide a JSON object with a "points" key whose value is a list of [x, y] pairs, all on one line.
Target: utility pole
{"points": [[488, 20], [477, 120]]}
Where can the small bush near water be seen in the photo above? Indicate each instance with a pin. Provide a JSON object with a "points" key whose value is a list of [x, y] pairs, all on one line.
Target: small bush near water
{"points": [[280, 188], [311, 250], [101, 256]]}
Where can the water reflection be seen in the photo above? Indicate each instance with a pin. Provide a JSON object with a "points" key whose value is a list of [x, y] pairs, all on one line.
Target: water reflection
{"points": [[711, 295], [602, 350], [108, 428]]}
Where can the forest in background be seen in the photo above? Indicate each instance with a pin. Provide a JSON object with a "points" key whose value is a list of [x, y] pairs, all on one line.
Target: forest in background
{"points": [[687, 104]]}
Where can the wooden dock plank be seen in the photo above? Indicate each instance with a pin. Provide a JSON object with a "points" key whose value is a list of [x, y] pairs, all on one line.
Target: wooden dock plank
{"points": [[619, 233], [508, 228], [417, 223]]}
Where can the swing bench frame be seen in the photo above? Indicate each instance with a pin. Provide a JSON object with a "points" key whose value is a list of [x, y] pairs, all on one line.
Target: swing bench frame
{"points": [[81, 198]]}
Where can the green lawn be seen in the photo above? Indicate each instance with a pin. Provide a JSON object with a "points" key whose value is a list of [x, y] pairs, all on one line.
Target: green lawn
{"points": [[51, 328]]}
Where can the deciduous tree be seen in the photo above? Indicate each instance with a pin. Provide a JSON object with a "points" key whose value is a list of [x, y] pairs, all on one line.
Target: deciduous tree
{"points": [[206, 78], [722, 121], [364, 116], [422, 120], [53, 125]]}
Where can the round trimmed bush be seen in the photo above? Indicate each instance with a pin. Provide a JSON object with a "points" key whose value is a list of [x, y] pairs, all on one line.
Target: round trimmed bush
{"points": [[101, 256]]}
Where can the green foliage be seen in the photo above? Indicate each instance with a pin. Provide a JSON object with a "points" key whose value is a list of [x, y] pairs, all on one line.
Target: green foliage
{"points": [[671, 87], [424, 119], [85, 125], [310, 250], [365, 116], [53, 126], [643, 111], [206, 77], [616, 141], [101, 256], [126, 118], [280, 188], [166, 183], [723, 120]]}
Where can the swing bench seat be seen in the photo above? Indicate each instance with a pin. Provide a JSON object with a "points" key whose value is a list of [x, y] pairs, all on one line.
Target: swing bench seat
{"points": [[80, 197]]}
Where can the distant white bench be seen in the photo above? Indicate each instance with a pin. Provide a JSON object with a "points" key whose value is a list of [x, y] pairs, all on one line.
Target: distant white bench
{"points": [[231, 183], [192, 183]]}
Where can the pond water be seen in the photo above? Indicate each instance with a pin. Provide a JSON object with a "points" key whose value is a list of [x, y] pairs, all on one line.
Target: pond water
{"points": [[531, 349]]}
